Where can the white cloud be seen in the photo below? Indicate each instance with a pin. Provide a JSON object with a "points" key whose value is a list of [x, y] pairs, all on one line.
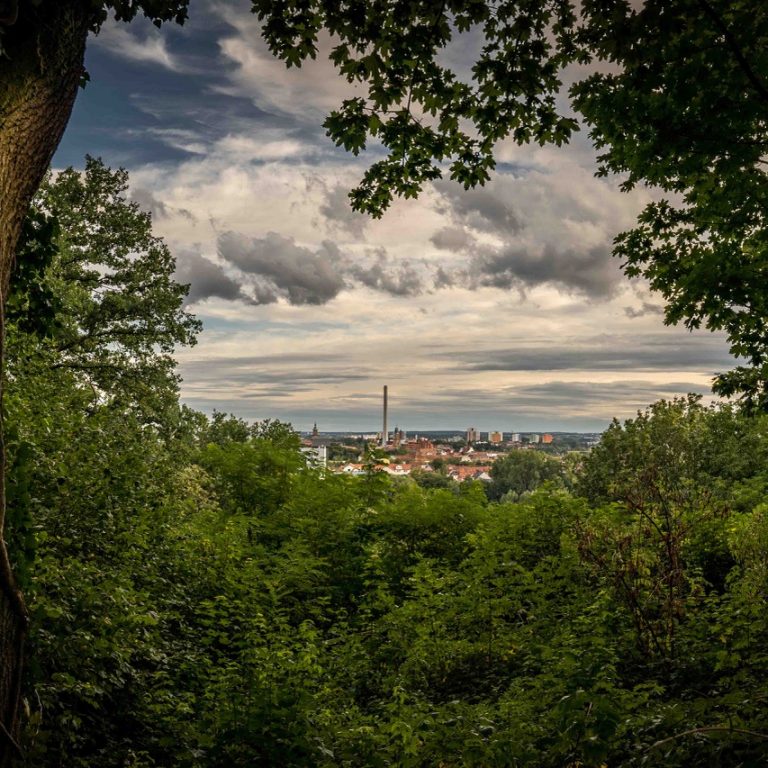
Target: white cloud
{"points": [[264, 145], [150, 49], [414, 340], [185, 140], [306, 94]]}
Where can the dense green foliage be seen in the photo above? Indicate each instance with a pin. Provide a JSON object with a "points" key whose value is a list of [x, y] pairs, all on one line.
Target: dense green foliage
{"points": [[201, 598], [208, 601], [520, 472], [94, 294]]}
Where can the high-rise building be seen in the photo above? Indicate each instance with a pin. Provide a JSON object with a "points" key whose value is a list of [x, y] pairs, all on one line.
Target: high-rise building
{"points": [[495, 437], [547, 439], [515, 438], [473, 436], [316, 456], [384, 433], [534, 438]]}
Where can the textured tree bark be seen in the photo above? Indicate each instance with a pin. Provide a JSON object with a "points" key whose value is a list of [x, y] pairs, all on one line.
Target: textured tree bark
{"points": [[40, 71]]}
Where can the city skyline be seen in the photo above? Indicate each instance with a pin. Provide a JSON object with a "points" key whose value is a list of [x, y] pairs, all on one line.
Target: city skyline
{"points": [[497, 306], [472, 432]]}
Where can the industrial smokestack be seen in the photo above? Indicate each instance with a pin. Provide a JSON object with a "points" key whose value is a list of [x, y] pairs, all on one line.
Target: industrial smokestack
{"points": [[384, 434]]}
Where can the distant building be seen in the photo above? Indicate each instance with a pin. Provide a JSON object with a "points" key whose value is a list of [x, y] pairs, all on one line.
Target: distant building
{"points": [[399, 470], [495, 437], [316, 456], [547, 439], [473, 436], [421, 449], [515, 438], [469, 473], [352, 469], [317, 440], [534, 438]]}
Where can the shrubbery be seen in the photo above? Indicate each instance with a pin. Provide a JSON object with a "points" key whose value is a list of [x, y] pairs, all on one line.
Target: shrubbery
{"points": [[243, 610]]}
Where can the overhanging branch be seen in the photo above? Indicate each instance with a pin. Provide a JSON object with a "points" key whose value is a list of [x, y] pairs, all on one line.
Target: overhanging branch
{"points": [[733, 44]]}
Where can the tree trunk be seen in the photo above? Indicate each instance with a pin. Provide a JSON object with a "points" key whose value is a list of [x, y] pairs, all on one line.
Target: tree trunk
{"points": [[40, 69]]}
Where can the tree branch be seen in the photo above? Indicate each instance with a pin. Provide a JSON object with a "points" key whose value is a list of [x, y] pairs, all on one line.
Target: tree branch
{"points": [[14, 744], [709, 729], [733, 44]]}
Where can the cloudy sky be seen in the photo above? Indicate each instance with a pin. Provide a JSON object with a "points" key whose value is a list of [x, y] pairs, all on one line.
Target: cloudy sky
{"points": [[499, 308]]}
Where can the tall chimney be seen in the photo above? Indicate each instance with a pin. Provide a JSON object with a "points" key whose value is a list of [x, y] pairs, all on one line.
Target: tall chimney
{"points": [[384, 434]]}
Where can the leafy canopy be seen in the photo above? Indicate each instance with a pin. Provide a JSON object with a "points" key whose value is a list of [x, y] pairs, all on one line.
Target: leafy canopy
{"points": [[521, 472], [94, 293], [684, 110]]}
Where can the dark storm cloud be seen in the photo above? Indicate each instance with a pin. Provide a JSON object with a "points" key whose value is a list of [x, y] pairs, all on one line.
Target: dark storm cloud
{"points": [[452, 239], [591, 271], [337, 210], [443, 279], [646, 308], [399, 281], [525, 255], [276, 267], [578, 394], [299, 372], [481, 209], [283, 268], [607, 353], [207, 280]]}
